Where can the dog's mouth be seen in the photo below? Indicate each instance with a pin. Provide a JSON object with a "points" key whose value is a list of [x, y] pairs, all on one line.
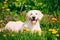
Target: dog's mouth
{"points": [[33, 20]]}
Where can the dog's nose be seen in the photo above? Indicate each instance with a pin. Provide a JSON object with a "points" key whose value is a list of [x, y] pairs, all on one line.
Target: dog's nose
{"points": [[33, 18]]}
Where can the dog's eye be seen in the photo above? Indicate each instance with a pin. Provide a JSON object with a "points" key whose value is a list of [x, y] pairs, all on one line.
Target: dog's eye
{"points": [[36, 13], [31, 13]]}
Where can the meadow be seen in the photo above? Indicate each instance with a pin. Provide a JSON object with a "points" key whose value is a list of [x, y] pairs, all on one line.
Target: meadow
{"points": [[15, 10]]}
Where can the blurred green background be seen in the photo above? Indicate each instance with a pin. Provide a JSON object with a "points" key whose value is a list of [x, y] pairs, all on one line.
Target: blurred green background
{"points": [[14, 9]]}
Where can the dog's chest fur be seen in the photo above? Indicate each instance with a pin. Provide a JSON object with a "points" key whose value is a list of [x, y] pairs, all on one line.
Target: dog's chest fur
{"points": [[32, 27]]}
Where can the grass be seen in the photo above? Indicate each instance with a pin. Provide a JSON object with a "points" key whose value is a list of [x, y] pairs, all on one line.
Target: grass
{"points": [[50, 30]]}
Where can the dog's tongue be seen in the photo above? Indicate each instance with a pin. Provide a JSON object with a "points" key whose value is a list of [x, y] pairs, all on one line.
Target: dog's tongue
{"points": [[34, 22]]}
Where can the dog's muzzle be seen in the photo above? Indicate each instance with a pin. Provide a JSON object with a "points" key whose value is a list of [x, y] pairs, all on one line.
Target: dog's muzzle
{"points": [[33, 20]]}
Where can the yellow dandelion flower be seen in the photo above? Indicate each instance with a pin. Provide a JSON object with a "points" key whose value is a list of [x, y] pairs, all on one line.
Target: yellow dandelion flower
{"points": [[12, 35], [57, 35], [1, 20], [54, 19], [35, 31], [50, 29], [3, 7], [26, 29], [54, 31], [8, 9], [17, 0], [4, 35], [5, 2]]}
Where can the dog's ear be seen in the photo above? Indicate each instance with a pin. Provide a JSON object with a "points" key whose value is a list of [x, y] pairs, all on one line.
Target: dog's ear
{"points": [[40, 15]]}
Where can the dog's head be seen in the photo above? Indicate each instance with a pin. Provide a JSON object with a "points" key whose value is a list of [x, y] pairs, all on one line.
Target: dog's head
{"points": [[34, 16]]}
